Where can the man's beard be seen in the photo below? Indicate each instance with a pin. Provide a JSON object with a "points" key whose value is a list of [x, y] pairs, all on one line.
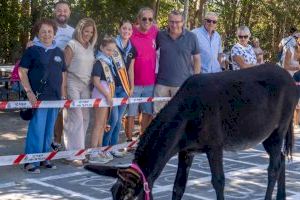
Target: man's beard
{"points": [[61, 21]]}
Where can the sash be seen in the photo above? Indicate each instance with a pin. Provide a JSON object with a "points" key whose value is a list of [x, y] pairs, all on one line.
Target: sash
{"points": [[109, 78], [121, 69]]}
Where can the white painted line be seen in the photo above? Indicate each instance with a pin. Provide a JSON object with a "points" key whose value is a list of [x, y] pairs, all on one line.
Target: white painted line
{"points": [[158, 188], [9, 184], [195, 196], [192, 170], [294, 197], [49, 178], [241, 162], [66, 191]]}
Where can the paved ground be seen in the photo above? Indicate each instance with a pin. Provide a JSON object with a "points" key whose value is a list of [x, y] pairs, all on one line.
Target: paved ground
{"points": [[246, 175]]}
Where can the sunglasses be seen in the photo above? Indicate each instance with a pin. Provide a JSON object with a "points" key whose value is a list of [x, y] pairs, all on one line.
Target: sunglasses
{"points": [[211, 21], [243, 36], [144, 19]]}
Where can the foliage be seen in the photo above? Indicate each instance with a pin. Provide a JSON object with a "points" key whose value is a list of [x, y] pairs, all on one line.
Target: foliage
{"points": [[269, 20]]}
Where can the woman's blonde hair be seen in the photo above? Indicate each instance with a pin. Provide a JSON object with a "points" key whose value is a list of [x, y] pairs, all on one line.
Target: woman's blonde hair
{"points": [[82, 24]]}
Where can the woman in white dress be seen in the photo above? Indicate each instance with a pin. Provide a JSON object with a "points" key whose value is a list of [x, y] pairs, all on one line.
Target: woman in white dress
{"points": [[79, 56]]}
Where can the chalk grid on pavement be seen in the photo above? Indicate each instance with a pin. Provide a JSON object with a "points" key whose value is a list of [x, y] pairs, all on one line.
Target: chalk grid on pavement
{"points": [[246, 178]]}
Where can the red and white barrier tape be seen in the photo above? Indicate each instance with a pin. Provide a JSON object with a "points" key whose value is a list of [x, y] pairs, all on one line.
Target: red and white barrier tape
{"points": [[39, 157], [82, 103]]}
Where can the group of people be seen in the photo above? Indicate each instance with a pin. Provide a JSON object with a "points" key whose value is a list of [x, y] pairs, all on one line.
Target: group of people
{"points": [[65, 63]]}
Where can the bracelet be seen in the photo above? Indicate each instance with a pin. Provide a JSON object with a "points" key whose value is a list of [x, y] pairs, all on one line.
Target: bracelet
{"points": [[29, 91]]}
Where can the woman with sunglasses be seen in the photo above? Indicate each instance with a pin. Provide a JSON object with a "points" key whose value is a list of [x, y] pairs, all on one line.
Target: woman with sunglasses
{"points": [[242, 53]]}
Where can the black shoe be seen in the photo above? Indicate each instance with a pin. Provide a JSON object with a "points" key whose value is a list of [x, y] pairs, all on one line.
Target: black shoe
{"points": [[56, 146], [30, 168], [48, 165]]}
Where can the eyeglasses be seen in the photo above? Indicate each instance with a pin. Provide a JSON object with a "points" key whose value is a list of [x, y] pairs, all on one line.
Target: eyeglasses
{"points": [[175, 22], [144, 19], [243, 36], [211, 21]]}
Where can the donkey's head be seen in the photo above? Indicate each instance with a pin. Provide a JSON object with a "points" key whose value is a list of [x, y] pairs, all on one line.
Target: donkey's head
{"points": [[129, 185]]}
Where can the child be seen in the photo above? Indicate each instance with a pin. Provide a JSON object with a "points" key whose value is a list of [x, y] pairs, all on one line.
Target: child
{"points": [[103, 78]]}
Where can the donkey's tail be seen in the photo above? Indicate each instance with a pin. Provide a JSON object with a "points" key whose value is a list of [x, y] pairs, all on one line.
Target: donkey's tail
{"points": [[289, 141]]}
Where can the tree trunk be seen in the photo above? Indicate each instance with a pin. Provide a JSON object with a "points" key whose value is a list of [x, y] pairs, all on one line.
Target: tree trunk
{"points": [[186, 12], [25, 15], [202, 11], [156, 8]]}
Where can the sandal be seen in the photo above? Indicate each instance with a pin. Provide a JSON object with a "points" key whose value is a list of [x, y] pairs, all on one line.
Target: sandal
{"points": [[107, 128], [30, 168]]}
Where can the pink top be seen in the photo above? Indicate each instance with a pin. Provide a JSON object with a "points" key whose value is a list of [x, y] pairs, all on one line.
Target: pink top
{"points": [[15, 72], [145, 61]]}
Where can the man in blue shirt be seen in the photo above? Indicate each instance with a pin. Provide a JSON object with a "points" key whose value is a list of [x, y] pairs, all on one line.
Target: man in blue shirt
{"points": [[179, 58], [210, 44]]}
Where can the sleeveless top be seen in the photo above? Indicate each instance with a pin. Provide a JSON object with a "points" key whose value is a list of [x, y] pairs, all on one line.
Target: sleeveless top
{"points": [[293, 62]]}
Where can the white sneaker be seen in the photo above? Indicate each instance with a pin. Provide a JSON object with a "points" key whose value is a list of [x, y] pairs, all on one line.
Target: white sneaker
{"points": [[99, 158], [119, 153]]}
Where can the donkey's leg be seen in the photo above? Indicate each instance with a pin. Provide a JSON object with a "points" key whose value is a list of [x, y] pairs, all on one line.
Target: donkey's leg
{"points": [[215, 159], [273, 147], [281, 180], [185, 160]]}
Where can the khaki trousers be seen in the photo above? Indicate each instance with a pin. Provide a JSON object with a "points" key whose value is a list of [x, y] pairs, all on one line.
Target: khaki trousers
{"points": [[76, 120], [163, 91]]}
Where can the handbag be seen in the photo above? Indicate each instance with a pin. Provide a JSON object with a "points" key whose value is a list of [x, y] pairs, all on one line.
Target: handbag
{"points": [[279, 54], [28, 113]]}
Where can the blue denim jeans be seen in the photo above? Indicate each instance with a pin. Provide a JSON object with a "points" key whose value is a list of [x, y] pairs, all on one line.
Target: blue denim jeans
{"points": [[40, 131], [117, 112]]}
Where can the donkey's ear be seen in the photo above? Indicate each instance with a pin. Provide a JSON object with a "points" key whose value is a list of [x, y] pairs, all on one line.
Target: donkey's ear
{"points": [[104, 170]]}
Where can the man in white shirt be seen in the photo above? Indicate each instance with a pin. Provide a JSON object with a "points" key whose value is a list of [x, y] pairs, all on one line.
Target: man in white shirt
{"points": [[63, 35], [64, 32]]}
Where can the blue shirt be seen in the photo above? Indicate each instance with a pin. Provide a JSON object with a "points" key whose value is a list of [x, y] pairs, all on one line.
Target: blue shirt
{"points": [[175, 59], [36, 59], [210, 48]]}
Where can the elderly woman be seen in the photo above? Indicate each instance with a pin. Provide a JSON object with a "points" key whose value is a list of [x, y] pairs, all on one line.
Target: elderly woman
{"points": [[42, 72], [79, 54], [242, 54]]}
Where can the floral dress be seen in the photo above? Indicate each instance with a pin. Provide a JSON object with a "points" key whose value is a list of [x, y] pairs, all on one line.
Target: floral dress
{"points": [[247, 53]]}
